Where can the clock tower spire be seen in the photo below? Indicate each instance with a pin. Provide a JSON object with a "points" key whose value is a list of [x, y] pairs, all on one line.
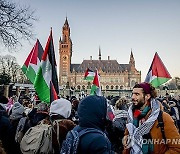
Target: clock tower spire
{"points": [[65, 52]]}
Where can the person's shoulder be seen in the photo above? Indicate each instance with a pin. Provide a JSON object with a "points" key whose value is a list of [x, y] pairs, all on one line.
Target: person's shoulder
{"points": [[98, 137], [68, 123], [166, 117]]}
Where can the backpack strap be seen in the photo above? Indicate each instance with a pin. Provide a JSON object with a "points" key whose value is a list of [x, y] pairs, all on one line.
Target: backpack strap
{"points": [[56, 122], [90, 130], [161, 124]]}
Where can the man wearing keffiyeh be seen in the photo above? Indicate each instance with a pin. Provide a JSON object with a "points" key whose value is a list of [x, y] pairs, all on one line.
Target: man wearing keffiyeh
{"points": [[142, 125]]}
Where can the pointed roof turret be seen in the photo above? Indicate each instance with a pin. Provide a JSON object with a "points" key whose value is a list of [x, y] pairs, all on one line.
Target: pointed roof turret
{"points": [[131, 56], [99, 53], [132, 61], [66, 24]]}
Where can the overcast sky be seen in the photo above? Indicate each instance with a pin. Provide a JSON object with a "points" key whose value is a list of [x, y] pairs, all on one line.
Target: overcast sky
{"points": [[146, 26]]}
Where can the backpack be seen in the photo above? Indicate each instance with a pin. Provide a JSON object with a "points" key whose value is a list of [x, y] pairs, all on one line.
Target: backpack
{"points": [[20, 129], [70, 145], [37, 140], [161, 124]]}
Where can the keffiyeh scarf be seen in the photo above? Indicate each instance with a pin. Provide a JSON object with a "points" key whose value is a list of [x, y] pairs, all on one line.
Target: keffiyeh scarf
{"points": [[136, 134]]}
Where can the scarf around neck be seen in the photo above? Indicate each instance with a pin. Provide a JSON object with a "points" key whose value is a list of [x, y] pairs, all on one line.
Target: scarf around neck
{"points": [[136, 133], [138, 114]]}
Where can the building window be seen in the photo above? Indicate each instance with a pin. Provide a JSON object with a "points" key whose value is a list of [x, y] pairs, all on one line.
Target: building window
{"points": [[64, 79], [78, 87], [107, 87], [117, 87], [83, 87], [112, 87], [133, 83], [121, 87]]}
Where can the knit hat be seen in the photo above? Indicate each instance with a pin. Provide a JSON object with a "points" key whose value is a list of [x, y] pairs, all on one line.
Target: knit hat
{"points": [[17, 111], [61, 107], [146, 87]]}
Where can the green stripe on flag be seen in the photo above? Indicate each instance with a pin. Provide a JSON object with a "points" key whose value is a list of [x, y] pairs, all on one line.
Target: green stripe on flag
{"points": [[89, 78], [24, 69], [93, 90], [158, 81], [29, 72], [41, 87]]}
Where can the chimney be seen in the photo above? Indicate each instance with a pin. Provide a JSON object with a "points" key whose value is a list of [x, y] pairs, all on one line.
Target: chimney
{"points": [[108, 57], [90, 57]]}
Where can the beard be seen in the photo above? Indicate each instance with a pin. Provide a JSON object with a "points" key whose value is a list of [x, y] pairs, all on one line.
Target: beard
{"points": [[137, 104]]}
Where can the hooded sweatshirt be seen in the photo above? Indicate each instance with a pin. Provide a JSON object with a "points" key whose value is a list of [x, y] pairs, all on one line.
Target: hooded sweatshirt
{"points": [[92, 112]]}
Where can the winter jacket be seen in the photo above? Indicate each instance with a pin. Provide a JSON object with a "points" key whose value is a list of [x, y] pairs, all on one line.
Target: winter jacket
{"points": [[7, 135], [64, 125], [92, 112], [4, 128], [171, 134]]}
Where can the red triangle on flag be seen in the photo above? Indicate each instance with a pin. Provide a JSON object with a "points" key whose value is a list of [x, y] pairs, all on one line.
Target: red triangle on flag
{"points": [[32, 57], [96, 79], [86, 73], [53, 94], [158, 68]]}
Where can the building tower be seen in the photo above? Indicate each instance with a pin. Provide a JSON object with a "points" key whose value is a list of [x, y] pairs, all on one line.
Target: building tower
{"points": [[132, 61], [65, 52], [133, 78], [99, 53]]}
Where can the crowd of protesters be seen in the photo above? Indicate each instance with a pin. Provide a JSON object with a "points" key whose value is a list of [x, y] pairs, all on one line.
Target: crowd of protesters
{"points": [[110, 121]]}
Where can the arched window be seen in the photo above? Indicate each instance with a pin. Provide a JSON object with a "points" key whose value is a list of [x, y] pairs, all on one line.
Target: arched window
{"points": [[112, 87], [78, 87], [107, 87], [117, 87], [121, 87], [83, 87], [133, 83]]}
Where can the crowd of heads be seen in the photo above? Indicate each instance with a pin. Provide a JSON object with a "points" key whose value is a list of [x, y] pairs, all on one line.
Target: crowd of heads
{"points": [[108, 113]]}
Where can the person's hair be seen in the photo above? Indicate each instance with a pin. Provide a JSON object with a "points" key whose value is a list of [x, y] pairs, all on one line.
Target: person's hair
{"points": [[152, 90], [120, 103]]}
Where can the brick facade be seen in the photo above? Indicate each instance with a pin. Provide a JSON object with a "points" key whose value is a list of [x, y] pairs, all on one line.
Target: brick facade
{"points": [[113, 75]]}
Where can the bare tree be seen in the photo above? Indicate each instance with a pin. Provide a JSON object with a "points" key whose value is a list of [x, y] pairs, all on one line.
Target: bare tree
{"points": [[9, 65], [16, 24]]}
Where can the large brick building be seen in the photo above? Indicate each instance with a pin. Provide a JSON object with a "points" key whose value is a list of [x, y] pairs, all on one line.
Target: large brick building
{"points": [[113, 75]]}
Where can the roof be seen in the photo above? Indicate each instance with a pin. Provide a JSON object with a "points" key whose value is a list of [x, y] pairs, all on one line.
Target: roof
{"points": [[109, 66]]}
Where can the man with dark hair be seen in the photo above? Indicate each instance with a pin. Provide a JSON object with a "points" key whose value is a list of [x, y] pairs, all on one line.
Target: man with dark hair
{"points": [[148, 128]]}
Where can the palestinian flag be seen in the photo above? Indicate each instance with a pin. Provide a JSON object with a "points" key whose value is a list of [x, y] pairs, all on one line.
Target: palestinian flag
{"points": [[96, 88], [89, 75], [46, 78], [53, 94], [157, 74], [32, 63]]}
